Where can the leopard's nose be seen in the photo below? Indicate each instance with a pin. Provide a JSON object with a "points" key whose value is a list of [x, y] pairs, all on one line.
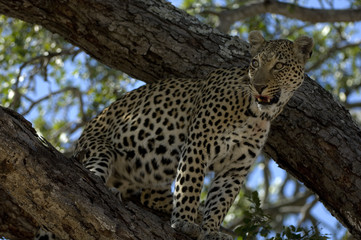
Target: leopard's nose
{"points": [[259, 87]]}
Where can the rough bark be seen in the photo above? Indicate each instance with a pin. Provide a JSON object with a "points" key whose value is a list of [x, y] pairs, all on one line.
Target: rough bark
{"points": [[40, 186], [145, 39], [314, 138], [15, 223]]}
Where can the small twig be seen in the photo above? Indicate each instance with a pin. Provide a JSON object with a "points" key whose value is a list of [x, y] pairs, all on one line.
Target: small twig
{"points": [[76, 91], [331, 51], [45, 58], [305, 211]]}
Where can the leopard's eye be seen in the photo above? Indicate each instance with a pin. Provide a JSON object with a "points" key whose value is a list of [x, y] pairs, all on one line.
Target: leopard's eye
{"points": [[255, 63], [279, 66]]}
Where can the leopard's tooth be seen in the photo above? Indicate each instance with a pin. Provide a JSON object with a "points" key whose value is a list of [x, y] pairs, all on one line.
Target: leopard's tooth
{"points": [[268, 100]]}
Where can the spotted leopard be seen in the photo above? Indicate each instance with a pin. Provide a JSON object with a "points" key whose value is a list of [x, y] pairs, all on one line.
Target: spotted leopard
{"points": [[180, 129]]}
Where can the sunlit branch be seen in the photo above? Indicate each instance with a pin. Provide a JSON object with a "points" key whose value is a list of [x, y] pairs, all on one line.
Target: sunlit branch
{"points": [[266, 177], [228, 17], [306, 211], [352, 105], [331, 51], [298, 200], [76, 92], [283, 185]]}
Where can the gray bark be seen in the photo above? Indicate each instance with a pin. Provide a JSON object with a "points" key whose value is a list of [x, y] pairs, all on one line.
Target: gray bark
{"points": [[315, 138]]}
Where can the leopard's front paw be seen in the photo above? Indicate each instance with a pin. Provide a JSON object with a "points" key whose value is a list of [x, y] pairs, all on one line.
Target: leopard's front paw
{"points": [[188, 228], [215, 236]]}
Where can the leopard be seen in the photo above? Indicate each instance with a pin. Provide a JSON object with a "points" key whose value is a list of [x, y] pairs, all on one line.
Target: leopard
{"points": [[178, 130]]}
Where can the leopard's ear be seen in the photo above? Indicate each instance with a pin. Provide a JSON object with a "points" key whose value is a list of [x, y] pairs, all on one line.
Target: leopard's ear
{"points": [[256, 41], [303, 48]]}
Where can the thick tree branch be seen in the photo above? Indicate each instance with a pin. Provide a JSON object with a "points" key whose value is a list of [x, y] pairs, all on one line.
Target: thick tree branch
{"points": [[15, 223], [60, 194], [228, 17], [134, 35], [315, 138], [318, 134]]}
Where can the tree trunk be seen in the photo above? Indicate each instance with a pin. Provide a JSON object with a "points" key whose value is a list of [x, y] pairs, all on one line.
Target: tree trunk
{"points": [[314, 138]]}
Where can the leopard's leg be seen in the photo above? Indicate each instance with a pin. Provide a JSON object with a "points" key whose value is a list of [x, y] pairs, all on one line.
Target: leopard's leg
{"points": [[122, 187], [188, 186], [222, 192], [98, 160], [160, 199], [220, 197]]}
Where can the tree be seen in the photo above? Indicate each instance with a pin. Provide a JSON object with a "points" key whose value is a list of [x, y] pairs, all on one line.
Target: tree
{"points": [[143, 39]]}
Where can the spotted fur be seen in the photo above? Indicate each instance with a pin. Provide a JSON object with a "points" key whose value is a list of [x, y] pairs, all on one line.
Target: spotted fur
{"points": [[181, 129]]}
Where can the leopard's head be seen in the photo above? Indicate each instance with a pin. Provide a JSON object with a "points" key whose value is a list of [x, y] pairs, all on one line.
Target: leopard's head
{"points": [[277, 67]]}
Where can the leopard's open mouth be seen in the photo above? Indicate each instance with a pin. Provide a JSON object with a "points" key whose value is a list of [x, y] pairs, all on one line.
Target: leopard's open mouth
{"points": [[266, 100]]}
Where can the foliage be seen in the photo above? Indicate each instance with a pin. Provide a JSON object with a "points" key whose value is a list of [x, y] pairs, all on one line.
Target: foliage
{"points": [[54, 84], [257, 223], [59, 88], [254, 220]]}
